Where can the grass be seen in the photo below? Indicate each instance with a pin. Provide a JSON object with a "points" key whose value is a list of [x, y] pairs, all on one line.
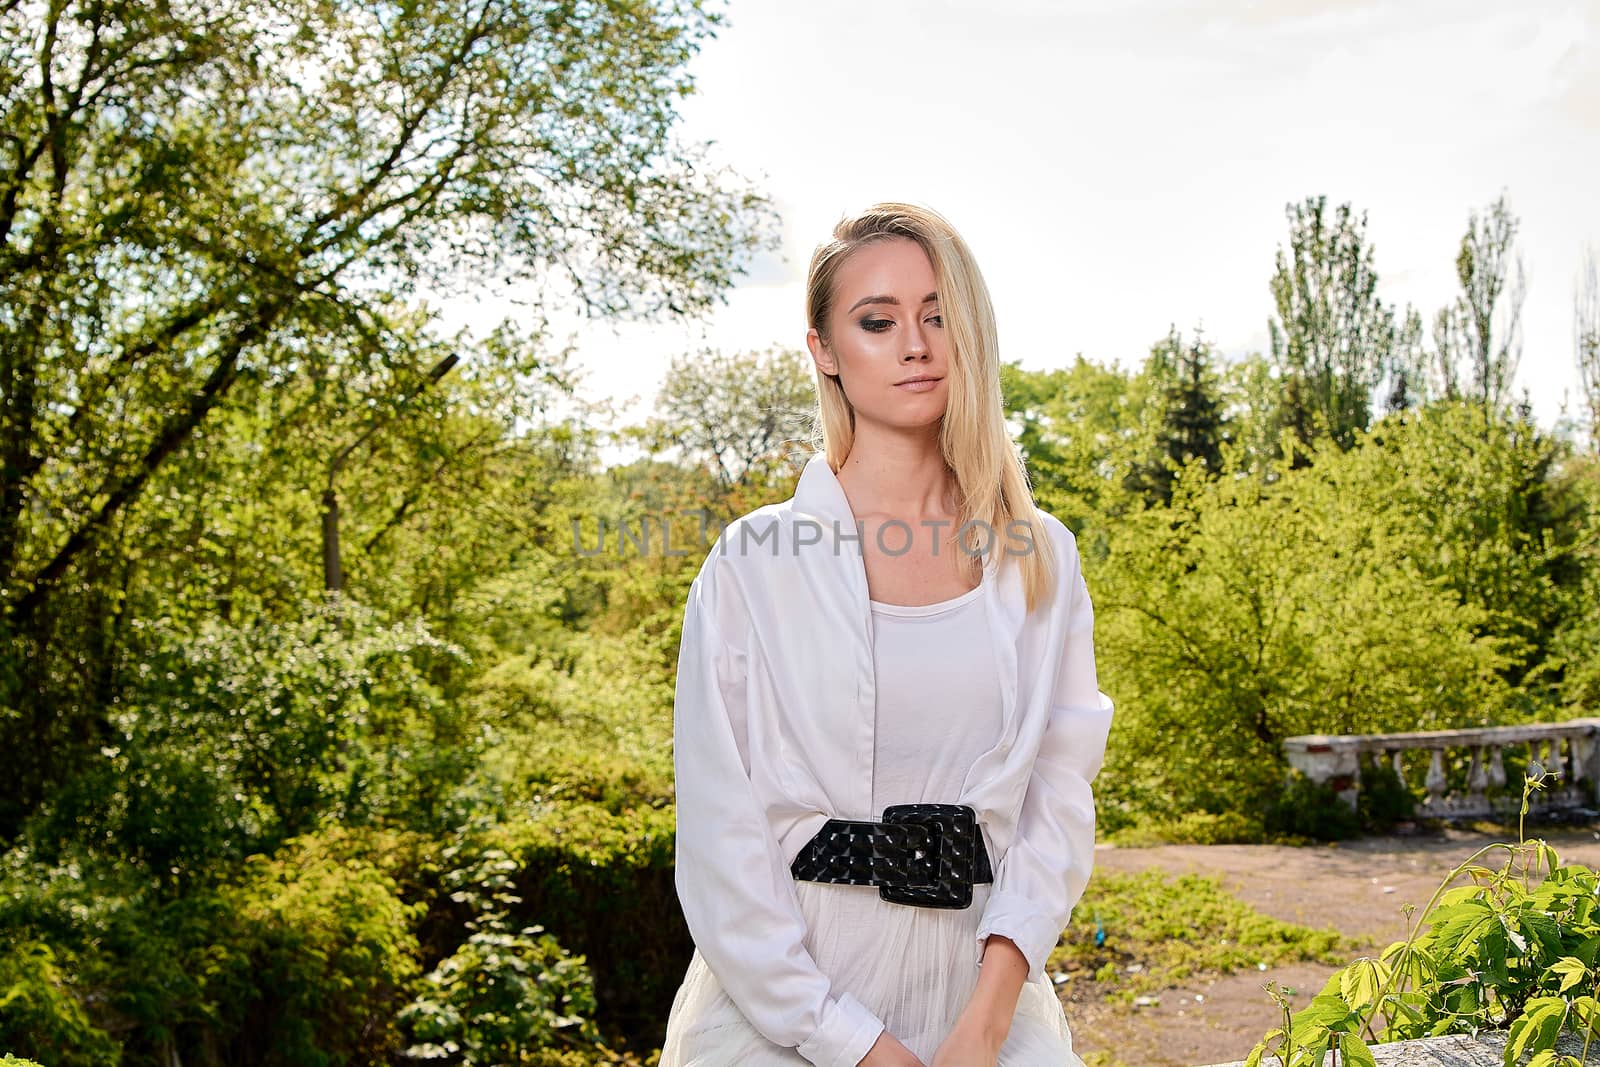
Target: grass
{"points": [[1159, 931]]}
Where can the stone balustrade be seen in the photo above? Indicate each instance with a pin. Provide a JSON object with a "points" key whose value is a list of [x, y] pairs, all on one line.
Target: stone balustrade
{"points": [[1569, 751]]}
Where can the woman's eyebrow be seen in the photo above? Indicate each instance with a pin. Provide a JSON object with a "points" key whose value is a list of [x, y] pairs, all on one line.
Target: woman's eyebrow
{"points": [[929, 299]]}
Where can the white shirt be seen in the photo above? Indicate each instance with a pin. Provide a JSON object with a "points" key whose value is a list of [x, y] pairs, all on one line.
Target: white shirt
{"points": [[938, 705], [773, 724]]}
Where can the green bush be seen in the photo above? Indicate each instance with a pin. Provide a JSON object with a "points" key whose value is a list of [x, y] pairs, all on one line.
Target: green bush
{"points": [[505, 992], [40, 1015], [602, 884], [1412, 582], [1384, 800], [1307, 809], [312, 956], [235, 738]]}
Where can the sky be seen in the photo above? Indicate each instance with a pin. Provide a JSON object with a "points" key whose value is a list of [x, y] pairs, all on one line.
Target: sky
{"points": [[1122, 166]]}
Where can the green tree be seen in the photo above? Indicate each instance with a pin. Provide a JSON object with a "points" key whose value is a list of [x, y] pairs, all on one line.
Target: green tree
{"points": [[734, 412], [1332, 337], [196, 204], [1191, 426], [1586, 340], [1252, 609], [1497, 521], [1478, 338], [1082, 429]]}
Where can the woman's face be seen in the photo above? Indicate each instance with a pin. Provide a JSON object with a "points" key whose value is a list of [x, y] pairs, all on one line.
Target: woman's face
{"points": [[885, 337]]}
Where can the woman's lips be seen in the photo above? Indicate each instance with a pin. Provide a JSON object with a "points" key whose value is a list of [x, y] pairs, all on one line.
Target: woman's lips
{"points": [[921, 386]]}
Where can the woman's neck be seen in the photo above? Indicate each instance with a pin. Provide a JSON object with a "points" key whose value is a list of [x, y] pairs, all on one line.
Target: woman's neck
{"points": [[905, 480]]}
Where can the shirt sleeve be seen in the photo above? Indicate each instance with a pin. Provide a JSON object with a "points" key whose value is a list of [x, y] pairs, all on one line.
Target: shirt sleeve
{"points": [[737, 894], [1043, 873]]}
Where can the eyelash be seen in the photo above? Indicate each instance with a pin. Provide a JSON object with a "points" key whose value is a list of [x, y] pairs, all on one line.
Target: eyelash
{"points": [[880, 325]]}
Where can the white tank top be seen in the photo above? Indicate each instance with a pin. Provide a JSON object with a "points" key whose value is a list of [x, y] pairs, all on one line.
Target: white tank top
{"points": [[938, 706]]}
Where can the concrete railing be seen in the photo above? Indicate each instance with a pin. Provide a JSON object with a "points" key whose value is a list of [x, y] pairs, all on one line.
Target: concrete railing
{"points": [[1570, 751]]}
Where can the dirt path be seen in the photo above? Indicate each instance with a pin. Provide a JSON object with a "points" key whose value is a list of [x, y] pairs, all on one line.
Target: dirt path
{"points": [[1357, 887]]}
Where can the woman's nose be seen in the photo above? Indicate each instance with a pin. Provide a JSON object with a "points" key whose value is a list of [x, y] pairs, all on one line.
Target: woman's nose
{"points": [[916, 343]]}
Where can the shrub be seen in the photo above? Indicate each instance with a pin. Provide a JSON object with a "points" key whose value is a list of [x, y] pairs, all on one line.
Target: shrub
{"points": [[505, 992], [310, 960], [601, 883], [1384, 800], [235, 738], [41, 1016], [1304, 808]]}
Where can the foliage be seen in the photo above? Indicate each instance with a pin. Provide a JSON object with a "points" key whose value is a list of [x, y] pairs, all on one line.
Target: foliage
{"points": [[243, 816], [1191, 426], [1491, 517], [1249, 611], [1193, 828], [1385, 798], [311, 955], [602, 884], [504, 992], [1175, 927], [202, 204], [240, 737], [42, 1016], [1304, 808], [1332, 337], [1084, 430], [734, 413], [1477, 338], [1572, 646], [1514, 950], [551, 704]]}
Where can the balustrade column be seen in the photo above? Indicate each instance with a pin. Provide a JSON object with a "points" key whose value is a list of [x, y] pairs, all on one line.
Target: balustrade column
{"points": [[1436, 781], [1556, 764], [1478, 781]]}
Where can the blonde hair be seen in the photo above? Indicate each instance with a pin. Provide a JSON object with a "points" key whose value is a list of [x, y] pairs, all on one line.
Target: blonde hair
{"points": [[991, 482]]}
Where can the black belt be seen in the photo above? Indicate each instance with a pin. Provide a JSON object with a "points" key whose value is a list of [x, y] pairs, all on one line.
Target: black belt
{"points": [[929, 855]]}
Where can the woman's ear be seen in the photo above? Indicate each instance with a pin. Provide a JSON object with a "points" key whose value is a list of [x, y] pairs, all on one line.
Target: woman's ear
{"points": [[821, 355]]}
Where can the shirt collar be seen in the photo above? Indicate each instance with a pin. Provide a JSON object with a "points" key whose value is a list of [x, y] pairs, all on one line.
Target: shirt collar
{"points": [[819, 495]]}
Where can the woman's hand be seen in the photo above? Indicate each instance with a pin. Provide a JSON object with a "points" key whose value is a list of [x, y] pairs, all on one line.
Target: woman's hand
{"points": [[887, 1051], [969, 1044]]}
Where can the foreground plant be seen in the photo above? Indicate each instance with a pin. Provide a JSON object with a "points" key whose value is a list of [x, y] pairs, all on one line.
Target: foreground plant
{"points": [[1513, 951]]}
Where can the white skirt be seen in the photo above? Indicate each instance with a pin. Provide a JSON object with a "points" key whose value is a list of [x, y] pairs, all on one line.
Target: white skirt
{"points": [[915, 968]]}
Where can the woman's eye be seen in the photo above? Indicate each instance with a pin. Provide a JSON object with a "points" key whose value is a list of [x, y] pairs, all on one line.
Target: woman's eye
{"points": [[936, 320], [876, 325]]}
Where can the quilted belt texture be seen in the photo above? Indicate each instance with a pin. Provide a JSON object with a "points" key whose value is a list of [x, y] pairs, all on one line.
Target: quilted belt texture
{"points": [[927, 855]]}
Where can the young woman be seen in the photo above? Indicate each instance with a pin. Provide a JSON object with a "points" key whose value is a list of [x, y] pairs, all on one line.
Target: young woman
{"points": [[887, 718]]}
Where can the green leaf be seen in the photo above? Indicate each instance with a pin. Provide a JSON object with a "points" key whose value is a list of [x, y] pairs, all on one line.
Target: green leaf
{"points": [[1360, 982], [1571, 971], [1324, 1010], [1536, 1029], [1354, 1052]]}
